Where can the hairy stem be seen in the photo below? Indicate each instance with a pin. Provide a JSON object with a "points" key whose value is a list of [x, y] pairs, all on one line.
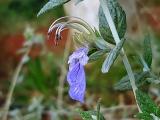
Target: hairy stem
{"points": [[117, 40], [13, 84], [63, 74]]}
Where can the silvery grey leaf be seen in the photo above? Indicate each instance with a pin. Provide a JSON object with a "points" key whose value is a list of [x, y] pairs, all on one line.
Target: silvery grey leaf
{"points": [[51, 4], [78, 1], [96, 55], [112, 56], [140, 79]]}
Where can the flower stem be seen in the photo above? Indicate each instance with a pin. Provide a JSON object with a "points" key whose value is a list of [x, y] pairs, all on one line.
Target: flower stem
{"points": [[13, 84], [117, 40], [63, 74]]}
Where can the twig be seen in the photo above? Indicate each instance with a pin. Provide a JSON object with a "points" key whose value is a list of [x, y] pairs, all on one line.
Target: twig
{"points": [[13, 84], [117, 40], [63, 74]]}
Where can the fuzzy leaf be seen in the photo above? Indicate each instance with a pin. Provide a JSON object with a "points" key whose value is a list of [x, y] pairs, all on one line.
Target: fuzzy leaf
{"points": [[112, 57], [124, 83], [96, 55], [100, 42], [90, 115], [119, 18], [146, 104], [143, 63], [51, 4], [144, 116], [147, 51], [78, 1]]}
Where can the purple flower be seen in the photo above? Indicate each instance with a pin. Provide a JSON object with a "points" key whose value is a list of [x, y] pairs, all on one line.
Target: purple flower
{"points": [[76, 74]]}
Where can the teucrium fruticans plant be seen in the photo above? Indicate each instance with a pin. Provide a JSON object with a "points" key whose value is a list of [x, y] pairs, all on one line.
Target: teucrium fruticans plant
{"points": [[92, 44]]}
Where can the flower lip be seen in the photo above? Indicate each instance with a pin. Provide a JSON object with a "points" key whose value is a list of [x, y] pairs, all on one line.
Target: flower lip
{"points": [[76, 74]]}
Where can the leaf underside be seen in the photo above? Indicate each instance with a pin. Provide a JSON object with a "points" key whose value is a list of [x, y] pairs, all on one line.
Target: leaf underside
{"points": [[112, 56], [124, 83], [51, 4]]}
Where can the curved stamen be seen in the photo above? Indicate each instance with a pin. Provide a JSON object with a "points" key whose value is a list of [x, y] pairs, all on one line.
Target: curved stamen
{"points": [[65, 25], [54, 27], [69, 24], [78, 21], [58, 36]]}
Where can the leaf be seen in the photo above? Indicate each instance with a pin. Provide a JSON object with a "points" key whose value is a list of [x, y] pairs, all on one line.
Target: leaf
{"points": [[143, 63], [36, 73], [78, 1], [90, 115], [112, 57], [96, 55], [155, 117], [146, 104], [119, 18], [51, 4], [144, 116], [147, 50], [100, 42], [96, 32], [124, 83]]}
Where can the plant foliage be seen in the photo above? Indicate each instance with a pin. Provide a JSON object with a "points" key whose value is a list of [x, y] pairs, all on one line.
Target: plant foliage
{"points": [[51, 4], [119, 18]]}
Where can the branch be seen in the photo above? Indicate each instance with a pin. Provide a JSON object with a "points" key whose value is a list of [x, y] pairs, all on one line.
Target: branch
{"points": [[117, 40], [63, 74], [13, 84]]}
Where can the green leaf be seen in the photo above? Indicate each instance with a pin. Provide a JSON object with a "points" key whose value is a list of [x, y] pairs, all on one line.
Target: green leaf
{"points": [[36, 73], [51, 4], [155, 117], [112, 56], [124, 83], [119, 18], [143, 63], [144, 116], [96, 55], [147, 50], [78, 1], [97, 32], [146, 104], [90, 115], [100, 42]]}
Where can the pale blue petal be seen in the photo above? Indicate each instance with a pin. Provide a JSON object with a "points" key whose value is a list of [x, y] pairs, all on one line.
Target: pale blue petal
{"points": [[79, 55], [72, 64], [77, 83], [76, 74]]}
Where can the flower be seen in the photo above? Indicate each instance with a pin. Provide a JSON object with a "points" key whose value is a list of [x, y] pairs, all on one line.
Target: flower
{"points": [[76, 74], [82, 28]]}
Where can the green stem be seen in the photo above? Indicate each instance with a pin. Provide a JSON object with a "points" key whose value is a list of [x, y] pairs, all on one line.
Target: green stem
{"points": [[63, 74], [117, 40], [12, 86]]}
